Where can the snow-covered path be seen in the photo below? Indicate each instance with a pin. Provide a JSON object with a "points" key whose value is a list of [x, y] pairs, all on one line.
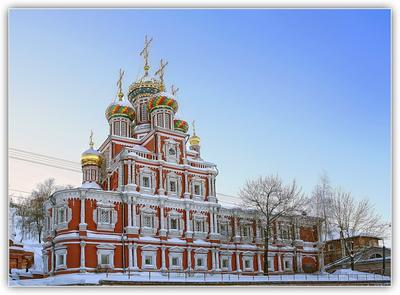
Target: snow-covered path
{"points": [[84, 279]]}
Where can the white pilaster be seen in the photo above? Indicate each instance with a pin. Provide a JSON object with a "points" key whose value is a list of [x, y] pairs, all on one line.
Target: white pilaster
{"points": [[189, 232], [135, 264], [130, 262], [189, 259], [163, 263], [186, 194], [161, 190], [83, 267], [163, 230], [238, 262], [259, 263], [279, 256], [82, 224]]}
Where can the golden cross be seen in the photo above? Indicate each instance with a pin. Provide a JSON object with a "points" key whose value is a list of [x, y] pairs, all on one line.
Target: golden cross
{"points": [[145, 54], [160, 72], [174, 90], [91, 139], [119, 83]]}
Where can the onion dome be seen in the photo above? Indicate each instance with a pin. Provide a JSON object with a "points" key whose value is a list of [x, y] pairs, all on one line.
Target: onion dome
{"points": [[91, 156], [162, 100], [145, 87], [194, 140], [181, 125], [120, 108]]}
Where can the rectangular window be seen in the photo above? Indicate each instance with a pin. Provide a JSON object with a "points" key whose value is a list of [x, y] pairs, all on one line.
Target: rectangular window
{"points": [[224, 229], [245, 231], [225, 263], [174, 223], [160, 122], [148, 221], [61, 215], [172, 186], [198, 225], [197, 189], [148, 260], [200, 262], [269, 264], [60, 259], [105, 259], [105, 216], [247, 264], [167, 121], [146, 181], [175, 261], [287, 265]]}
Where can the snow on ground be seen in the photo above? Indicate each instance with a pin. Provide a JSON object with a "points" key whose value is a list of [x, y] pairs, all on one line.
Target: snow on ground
{"points": [[80, 279], [30, 244]]}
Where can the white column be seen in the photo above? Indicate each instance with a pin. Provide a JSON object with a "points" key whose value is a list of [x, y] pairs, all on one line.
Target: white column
{"points": [[161, 190], [82, 224], [189, 259], [133, 173], [163, 230], [135, 265], [129, 172], [163, 264], [130, 262], [299, 263], [83, 267], [108, 182], [216, 223], [120, 175], [186, 194], [237, 231], [133, 214], [211, 221], [238, 262], [189, 232], [217, 260], [129, 203], [213, 259], [279, 262], [259, 262]]}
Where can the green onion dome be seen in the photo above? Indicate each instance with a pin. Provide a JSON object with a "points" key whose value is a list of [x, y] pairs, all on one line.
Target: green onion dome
{"points": [[181, 125], [120, 108], [162, 100]]}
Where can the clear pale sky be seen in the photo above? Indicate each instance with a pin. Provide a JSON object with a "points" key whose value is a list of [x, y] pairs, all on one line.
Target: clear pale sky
{"points": [[293, 92]]}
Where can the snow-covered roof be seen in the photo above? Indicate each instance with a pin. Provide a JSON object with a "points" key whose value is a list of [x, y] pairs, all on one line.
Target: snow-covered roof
{"points": [[91, 151], [92, 185], [140, 148]]}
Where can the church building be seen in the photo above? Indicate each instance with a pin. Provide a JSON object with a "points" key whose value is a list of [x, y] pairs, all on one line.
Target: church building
{"points": [[148, 202]]}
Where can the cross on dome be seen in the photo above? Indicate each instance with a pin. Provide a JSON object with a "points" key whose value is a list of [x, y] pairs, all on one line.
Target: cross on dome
{"points": [[145, 54], [160, 73], [119, 84]]}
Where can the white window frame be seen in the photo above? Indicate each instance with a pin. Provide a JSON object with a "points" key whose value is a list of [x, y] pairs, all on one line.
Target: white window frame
{"points": [[271, 259], [146, 172], [173, 214], [149, 251], [108, 250], [200, 218], [173, 177], [226, 257], [249, 258], [147, 212], [61, 252], [176, 253], [197, 181], [67, 212], [113, 215], [289, 259], [203, 258]]}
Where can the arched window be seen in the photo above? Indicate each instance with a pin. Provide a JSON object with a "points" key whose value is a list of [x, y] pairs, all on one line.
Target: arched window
{"points": [[123, 129], [160, 122], [143, 112], [117, 128], [167, 121]]}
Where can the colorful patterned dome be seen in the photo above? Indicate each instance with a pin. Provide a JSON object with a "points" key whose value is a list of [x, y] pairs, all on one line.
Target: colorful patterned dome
{"points": [[162, 100], [91, 157], [145, 87], [120, 108], [181, 125]]}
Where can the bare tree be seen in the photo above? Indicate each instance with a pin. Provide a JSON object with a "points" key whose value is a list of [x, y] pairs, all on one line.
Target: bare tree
{"points": [[352, 217], [319, 205], [271, 199]]}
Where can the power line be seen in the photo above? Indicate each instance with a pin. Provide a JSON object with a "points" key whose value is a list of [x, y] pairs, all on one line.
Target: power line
{"points": [[46, 164], [41, 155]]}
